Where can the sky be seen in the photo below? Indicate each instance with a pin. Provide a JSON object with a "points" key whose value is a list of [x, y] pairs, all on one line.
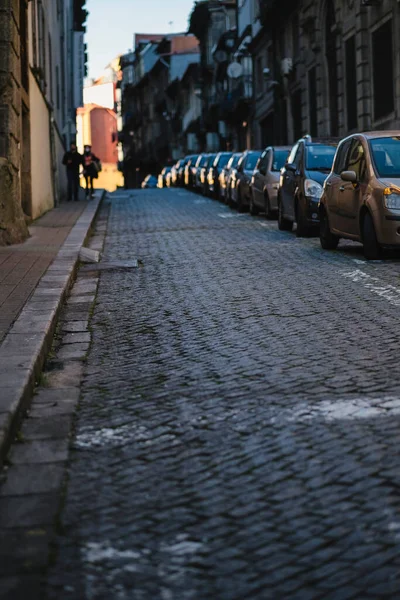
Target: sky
{"points": [[112, 23]]}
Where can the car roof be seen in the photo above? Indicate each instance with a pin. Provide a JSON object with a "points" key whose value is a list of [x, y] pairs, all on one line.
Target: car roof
{"points": [[377, 134]]}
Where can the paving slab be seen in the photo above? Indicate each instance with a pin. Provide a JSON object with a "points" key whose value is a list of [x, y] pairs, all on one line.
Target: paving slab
{"points": [[44, 266]]}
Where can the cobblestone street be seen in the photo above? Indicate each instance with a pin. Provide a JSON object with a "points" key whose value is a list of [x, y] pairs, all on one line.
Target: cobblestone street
{"points": [[239, 425]]}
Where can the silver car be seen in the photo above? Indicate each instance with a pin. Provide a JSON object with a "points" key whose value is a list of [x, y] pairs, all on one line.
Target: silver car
{"points": [[265, 181]]}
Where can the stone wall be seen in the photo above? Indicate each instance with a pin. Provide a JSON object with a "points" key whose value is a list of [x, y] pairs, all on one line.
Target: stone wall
{"points": [[12, 223]]}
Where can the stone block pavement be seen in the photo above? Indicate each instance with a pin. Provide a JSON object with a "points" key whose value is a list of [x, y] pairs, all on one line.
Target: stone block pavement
{"points": [[22, 266], [34, 280]]}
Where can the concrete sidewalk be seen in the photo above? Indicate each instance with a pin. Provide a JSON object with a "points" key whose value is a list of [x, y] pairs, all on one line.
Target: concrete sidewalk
{"points": [[22, 266], [34, 280]]}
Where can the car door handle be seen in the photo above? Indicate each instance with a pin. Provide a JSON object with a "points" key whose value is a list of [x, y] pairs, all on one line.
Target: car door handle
{"points": [[342, 188], [328, 184]]}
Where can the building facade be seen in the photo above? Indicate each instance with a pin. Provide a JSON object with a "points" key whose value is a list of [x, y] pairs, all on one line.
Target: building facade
{"points": [[333, 68], [152, 102], [42, 67]]}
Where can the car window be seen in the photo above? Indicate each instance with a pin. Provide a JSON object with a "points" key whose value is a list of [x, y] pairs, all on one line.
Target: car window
{"points": [[251, 161], [236, 160], [386, 156], [279, 159], [263, 162], [299, 155], [320, 157], [341, 156], [223, 160], [293, 153], [356, 160]]}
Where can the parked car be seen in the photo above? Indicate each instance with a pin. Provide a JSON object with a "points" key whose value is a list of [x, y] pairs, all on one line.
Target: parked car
{"points": [[214, 171], [300, 185], [200, 164], [190, 171], [168, 179], [225, 177], [204, 172], [161, 181], [265, 181], [241, 179], [361, 196], [181, 170], [150, 181], [175, 172]]}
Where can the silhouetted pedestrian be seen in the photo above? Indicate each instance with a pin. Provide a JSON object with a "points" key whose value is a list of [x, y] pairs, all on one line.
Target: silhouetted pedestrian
{"points": [[90, 164], [73, 160]]}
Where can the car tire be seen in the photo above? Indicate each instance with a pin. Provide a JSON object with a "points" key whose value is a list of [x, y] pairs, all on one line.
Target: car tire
{"points": [[302, 229], [283, 224], [254, 210], [372, 248], [239, 204], [328, 240], [269, 214]]}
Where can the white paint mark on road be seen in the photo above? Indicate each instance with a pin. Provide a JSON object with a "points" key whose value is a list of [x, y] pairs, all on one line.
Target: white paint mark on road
{"points": [[95, 552], [231, 215], [389, 292], [338, 410]]}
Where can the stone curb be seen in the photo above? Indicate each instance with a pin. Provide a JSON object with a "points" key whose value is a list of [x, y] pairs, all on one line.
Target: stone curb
{"points": [[25, 347]]}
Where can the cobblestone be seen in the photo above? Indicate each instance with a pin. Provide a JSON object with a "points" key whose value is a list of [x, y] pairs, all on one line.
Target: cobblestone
{"points": [[239, 418]]}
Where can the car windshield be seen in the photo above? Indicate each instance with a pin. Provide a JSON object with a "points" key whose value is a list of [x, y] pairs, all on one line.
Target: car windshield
{"points": [[252, 161], [211, 160], [386, 154], [222, 161], [320, 158], [279, 160]]}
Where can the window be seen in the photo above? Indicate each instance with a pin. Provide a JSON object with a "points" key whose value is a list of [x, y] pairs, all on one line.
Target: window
{"points": [[259, 75], [320, 157], [252, 161], [351, 83], [356, 160], [382, 65], [295, 36], [299, 155], [279, 160], [312, 100], [263, 162], [293, 154], [386, 155], [341, 156]]}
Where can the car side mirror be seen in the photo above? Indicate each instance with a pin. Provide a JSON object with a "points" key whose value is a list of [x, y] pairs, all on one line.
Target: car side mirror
{"points": [[350, 176], [290, 167]]}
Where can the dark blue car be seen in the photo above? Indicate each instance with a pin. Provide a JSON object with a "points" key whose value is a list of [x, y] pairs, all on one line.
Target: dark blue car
{"points": [[301, 182]]}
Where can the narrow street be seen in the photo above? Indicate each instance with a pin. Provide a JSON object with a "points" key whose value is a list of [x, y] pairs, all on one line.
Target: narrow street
{"points": [[239, 426]]}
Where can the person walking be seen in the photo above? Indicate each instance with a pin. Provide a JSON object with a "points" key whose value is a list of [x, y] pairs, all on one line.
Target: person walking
{"points": [[73, 160], [90, 162]]}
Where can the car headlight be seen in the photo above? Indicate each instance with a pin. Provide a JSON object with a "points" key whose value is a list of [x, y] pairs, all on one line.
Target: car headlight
{"points": [[391, 199], [312, 188]]}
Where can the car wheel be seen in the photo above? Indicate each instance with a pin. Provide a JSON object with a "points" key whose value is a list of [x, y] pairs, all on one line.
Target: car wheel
{"points": [[302, 230], [283, 224], [328, 240], [269, 214], [254, 210], [240, 206], [372, 249]]}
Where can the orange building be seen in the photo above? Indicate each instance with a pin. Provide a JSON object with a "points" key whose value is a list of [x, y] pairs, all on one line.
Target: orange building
{"points": [[97, 126]]}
